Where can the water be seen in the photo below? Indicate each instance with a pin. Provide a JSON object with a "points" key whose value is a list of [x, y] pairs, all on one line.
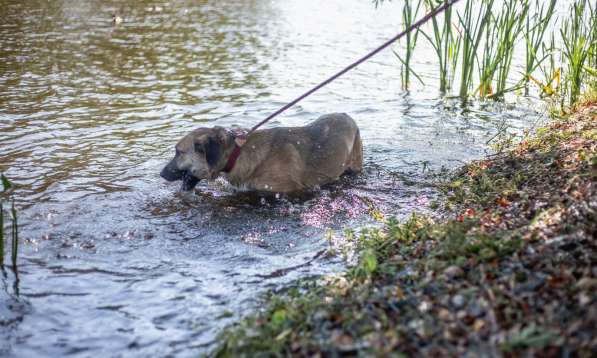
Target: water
{"points": [[115, 261]]}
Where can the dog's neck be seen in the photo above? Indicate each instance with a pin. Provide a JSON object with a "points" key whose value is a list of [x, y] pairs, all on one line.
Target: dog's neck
{"points": [[239, 137]]}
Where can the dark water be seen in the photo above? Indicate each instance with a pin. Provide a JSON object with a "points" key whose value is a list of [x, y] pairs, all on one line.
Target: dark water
{"points": [[115, 261]]}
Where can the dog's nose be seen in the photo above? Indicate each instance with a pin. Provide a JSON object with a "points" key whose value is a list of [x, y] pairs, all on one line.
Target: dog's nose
{"points": [[171, 174]]}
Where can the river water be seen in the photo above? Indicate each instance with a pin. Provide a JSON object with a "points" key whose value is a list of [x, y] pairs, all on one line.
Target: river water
{"points": [[115, 261]]}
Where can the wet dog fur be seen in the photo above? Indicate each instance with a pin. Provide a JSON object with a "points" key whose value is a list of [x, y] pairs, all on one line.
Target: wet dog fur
{"points": [[283, 159]]}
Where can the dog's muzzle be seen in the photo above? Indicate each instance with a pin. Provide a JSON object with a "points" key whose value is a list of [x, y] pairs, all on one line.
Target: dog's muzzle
{"points": [[171, 173]]}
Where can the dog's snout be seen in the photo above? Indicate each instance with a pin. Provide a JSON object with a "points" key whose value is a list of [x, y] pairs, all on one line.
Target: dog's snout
{"points": [[170, 173]]}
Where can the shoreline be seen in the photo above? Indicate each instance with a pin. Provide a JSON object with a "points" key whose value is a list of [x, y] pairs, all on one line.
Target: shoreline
{"points": [[509, 270]]}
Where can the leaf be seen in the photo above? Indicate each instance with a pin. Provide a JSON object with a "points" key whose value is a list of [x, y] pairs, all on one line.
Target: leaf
{"points": [[279, 317], [531, 336], [370, 261], [6, 184]]}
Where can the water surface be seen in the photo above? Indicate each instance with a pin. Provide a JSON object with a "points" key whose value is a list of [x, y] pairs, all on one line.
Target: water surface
{"points": [[114, 260]]}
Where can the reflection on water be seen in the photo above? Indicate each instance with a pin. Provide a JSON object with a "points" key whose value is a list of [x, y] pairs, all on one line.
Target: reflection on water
{"points": [[114, 259]]}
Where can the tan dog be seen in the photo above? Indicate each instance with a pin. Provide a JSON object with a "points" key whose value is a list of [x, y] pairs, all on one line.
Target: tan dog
{"points": [[285, 159]]}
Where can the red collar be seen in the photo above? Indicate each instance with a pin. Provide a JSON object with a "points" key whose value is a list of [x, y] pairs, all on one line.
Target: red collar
{"points": [[239, 140]]}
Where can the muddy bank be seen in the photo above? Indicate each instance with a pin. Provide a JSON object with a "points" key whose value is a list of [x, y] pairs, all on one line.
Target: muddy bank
{"points": [[510, 270]]}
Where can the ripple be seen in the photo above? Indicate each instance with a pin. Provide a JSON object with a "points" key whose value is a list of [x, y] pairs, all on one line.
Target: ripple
{"points": [[114, 259]]}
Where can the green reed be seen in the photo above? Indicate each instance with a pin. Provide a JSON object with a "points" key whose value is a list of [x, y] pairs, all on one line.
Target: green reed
{"points": [[408, 18], [15, 236], [483, 38], [576, 37], [505, 28], [1, 235], [473, 26], [6, 186], [444, 44], [534, 32]]}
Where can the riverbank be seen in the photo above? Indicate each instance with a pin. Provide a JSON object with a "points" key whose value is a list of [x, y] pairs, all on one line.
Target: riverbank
{"points": [[510, 270]]}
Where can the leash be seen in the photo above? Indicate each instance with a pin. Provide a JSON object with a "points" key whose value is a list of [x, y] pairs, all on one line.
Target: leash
{"points": [[240, 140], [414, 26]]}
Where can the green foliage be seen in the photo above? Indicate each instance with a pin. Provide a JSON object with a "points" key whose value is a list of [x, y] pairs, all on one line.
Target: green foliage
{"points": [[473, 27], [408, 17], [536, 24], [1, 234], [6, 184], [578, 37], [445, 45], [484, 37]]}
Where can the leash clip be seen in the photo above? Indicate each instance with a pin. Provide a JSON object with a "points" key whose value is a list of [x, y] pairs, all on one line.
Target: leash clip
{"points": [[240, 141]]}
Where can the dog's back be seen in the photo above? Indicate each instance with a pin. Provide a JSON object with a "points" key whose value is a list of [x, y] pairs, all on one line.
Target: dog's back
{"points": [[287, 159]]}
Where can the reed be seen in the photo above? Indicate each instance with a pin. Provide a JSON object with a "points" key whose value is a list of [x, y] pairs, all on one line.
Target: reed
{"points": [[473, 26], [6, 186], [1, 235], [408, 18], [576, 33], [534, 32], [510, 23], [443, 42], [15, 237]]}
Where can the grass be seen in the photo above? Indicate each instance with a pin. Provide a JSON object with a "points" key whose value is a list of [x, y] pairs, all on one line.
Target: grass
{"points": [[508, 271]]}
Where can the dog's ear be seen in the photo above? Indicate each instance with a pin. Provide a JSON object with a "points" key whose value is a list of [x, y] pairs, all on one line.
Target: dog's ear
{"points": [[212, 151]]}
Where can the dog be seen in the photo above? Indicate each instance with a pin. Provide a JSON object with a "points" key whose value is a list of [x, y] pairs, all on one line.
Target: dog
{"points": [[280, 160]]}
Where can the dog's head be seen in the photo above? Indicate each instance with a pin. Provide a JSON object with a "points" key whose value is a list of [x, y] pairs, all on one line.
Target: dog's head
{"points": [[199, 155]]}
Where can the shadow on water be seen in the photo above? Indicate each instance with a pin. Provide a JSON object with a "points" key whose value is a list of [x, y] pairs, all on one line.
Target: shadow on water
{"points": [[115, 260]]}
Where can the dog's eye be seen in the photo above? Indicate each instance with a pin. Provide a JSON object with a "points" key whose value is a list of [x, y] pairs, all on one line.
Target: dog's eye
{"points": [[198, 148]]}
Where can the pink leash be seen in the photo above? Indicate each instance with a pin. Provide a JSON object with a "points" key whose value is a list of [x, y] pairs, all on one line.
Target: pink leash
{"points": [[416, 25], [240, 140]]}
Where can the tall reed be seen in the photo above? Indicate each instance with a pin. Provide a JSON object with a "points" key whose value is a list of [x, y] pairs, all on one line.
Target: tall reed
{"points": [[535, 28], [6, 186], [443, 43], [577, 39], [473, 26], [15, 237], [1, 235], [510, 24], [408, 18]]}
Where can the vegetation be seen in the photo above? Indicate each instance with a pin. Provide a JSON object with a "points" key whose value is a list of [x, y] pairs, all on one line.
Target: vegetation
{"points": [[578, 37], [408, 17], [483, 39], [14, 228], [536, 25], [445, 46], [509, 270]]}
